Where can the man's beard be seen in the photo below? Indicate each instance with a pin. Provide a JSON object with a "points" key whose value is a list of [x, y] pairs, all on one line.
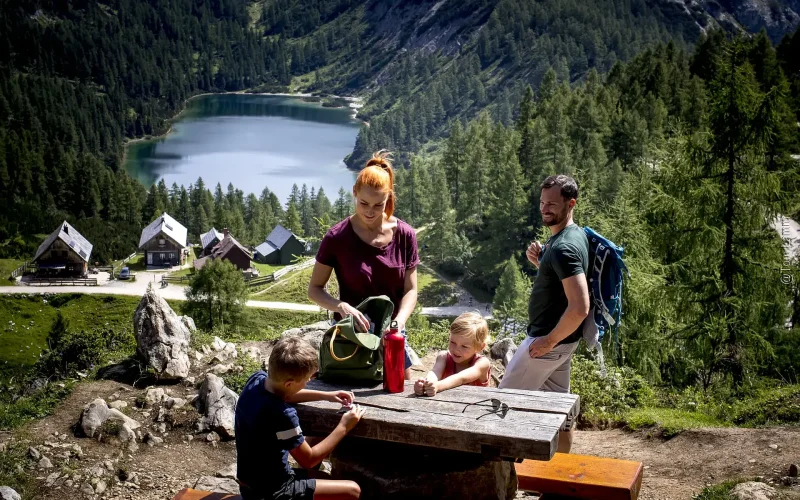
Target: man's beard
{"points": [[556, 219]]}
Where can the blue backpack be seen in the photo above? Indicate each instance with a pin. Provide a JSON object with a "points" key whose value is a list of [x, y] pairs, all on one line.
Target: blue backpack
{"points": [[605, 288]]}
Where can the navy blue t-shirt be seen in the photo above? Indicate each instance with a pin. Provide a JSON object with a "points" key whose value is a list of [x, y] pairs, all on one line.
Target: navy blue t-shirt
{"points": [[267, 428]]}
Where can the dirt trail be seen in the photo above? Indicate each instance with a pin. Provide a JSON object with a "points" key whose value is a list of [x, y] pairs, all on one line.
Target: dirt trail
{"points": [[680, 467]]}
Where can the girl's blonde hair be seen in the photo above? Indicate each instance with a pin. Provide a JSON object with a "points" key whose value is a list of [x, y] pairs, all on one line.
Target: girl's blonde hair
{"points": [[471, 324]]}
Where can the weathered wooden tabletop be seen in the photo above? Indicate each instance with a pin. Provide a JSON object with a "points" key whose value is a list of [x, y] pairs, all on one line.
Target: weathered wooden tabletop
{"points": [[528, 429]]}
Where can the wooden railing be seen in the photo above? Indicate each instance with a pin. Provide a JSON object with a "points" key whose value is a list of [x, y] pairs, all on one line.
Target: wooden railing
{"points": [[21, 269], [263, 280], [176, 279], [62, 282]]}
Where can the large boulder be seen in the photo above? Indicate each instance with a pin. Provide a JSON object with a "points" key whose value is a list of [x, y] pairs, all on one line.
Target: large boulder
{"points": [[162, 339], [396, 471], [504, 350], [217, 404], [7, 493], [188, 323], [753, 490], [97, 413], [312, 333]]}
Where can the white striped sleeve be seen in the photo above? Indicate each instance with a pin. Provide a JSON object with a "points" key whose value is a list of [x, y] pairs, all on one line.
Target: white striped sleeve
{"points": [[289, 434]]}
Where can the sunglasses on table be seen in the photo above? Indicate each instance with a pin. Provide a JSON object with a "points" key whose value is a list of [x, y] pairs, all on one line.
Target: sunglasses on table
{"points": [[498, 408]]}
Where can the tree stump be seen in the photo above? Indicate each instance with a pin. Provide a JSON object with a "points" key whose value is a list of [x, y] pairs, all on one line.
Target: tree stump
{"points": [[396, 471]]}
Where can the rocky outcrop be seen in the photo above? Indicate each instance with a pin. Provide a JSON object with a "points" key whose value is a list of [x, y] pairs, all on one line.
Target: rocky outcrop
{"points": [[162, 339], [97, 416], [188, 323], [312, 333], [504, 350], [217, 405], [753, 490], [7, 493], [217, 484]]}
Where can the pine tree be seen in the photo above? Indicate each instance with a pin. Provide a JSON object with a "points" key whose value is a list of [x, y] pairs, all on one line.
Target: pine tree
{"points": [[510, 299]]}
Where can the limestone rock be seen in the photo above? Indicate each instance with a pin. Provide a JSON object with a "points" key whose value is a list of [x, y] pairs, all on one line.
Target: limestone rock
{"points": [[7, 493], [152, 440], [188, 322], [126, 434], [118, 404], [154, 395], [504, 350], [753, 491], [312, 333], [34, 454], [174, 403], [217, 484], [100, 487], [45, 463], [162, 339], [93, 416], [220, 369], [218, 344], [87, 489], [228, 472], [397, 471], [217, 404], [122, 418], [252, 352], [226, 354]]}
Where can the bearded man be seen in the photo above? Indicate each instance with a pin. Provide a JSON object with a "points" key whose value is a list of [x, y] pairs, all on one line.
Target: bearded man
{"points": [[559, 300]]}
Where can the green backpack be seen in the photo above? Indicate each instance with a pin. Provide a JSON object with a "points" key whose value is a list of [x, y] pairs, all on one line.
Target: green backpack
{"points": [[346, 356]]}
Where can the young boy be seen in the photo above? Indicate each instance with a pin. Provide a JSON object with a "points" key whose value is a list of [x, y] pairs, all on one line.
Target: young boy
{"points": [[460, 364], [267, 429]]}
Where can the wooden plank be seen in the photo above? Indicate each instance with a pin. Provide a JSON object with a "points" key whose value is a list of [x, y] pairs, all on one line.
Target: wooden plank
{"points": [[511, 439], [432, 408], [533, 401], [582, 476]]}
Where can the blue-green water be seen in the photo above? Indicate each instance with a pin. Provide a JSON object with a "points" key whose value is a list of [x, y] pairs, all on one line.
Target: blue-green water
{"points": [[253, 142]]}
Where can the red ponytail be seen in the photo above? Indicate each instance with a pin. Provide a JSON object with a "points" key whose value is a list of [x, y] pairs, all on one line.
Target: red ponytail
{"points": [[378, 174]]}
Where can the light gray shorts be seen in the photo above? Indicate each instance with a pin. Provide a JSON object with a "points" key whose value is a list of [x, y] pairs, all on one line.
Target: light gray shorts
{"points": [[546, 373]]}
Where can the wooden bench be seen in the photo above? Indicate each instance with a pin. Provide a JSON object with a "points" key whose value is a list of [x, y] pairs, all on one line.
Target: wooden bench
{"points": [[190, 494], [581, 476]]}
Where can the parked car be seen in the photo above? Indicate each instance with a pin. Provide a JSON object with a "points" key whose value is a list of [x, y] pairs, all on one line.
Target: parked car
{"points": [[125, 273]]}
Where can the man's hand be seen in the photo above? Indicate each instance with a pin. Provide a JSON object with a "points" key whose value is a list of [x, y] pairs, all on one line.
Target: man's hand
{"points": [[345, 398], [533, 253], [352, 417], [540, 346]]}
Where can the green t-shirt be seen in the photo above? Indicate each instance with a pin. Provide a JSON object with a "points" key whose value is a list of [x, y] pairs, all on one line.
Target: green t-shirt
{"points": [[564, 255]]}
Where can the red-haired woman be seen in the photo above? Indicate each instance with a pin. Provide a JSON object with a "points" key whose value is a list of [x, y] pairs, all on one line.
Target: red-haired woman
{"points": [[372, 252]]}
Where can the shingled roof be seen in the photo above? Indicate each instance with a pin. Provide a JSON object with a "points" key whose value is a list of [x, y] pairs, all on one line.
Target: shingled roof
{"points": [[279, 236], [266, 248], [73, 239], [225, 246], [168, 225], [207, 238]]}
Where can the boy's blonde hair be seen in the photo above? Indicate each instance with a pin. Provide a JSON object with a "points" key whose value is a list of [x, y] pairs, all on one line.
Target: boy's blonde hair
{"points": [[292, 358], [471, 324]]}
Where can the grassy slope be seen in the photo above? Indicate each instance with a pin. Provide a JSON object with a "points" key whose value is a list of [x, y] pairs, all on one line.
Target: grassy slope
{"points": [[8, 265]]}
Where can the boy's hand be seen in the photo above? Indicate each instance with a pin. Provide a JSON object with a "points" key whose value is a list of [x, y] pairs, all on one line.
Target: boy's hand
{"points": [[419, 387], [345, 398], [352, 417], [430, 388]]}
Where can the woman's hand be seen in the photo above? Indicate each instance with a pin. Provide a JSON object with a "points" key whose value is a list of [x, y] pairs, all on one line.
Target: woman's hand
{"points": [[359, 321]]}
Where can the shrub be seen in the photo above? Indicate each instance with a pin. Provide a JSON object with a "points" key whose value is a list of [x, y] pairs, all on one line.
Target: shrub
{"points": [[770, 406], [606, 400]]}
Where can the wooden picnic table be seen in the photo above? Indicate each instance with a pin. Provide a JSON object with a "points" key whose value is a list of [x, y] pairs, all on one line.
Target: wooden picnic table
{"points": [[461, 419]]}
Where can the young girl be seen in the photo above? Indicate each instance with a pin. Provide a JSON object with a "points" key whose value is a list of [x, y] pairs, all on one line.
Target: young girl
{"points": [[460, 364]]}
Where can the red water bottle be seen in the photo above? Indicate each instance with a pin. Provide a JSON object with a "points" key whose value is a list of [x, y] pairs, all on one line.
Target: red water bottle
{"points": [[394, 347]]}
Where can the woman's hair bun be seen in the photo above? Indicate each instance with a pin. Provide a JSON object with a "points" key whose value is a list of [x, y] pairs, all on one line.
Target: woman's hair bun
{"points": [[382, 158]]}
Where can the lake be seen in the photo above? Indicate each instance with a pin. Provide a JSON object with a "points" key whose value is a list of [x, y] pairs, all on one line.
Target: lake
{"points": [[252, 141]]}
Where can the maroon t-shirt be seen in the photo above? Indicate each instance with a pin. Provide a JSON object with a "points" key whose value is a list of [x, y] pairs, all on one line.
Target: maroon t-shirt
{"points": [[364, 270]]}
